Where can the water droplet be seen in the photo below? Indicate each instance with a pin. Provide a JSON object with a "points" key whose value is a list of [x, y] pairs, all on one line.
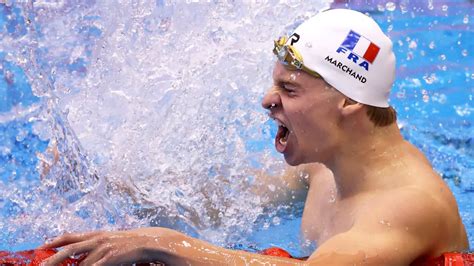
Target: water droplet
{"points": [[444, 8], [426, 98], [293, 77], [403, 8], [439, 97], [464, 110], [385, 223], [390, 6], [412, 45], [464, 52], [430, 79], [9, 77], [416, 82], [401, 94], [266, 225], [442, 57], [332, 196], [432, 45], [276, 220], [303, 175], [465, 19], [234, 86], [380, 7], [271, 187]]}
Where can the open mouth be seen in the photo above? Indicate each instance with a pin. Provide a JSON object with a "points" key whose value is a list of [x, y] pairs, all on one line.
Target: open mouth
{"points": [[281, 139]]}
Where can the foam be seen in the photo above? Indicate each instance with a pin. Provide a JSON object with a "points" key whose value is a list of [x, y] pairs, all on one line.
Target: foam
{"points": [[156, 111]]}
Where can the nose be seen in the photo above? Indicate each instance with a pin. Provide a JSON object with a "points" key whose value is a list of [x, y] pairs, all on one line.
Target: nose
{"points": [[271, 100]]}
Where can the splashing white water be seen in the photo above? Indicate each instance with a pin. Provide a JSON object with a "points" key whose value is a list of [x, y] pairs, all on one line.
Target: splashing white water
{"points": [[155, 107]]}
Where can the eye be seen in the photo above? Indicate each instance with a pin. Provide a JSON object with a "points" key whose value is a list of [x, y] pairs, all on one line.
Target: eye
{"points": [[288, 88]]}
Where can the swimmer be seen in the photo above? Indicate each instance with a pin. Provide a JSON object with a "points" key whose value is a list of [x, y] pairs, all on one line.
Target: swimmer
{"points": [[372, 197]]}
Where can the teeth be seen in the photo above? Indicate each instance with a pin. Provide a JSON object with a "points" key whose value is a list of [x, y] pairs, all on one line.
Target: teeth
{"points": [[282, 141], [279, 123]]}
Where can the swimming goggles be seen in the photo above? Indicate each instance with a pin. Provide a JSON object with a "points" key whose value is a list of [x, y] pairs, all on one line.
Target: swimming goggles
{"points": [[290, 57]]}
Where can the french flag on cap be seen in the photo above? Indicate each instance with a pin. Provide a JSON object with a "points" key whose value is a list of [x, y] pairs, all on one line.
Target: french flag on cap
{"points": [[361, 46]]}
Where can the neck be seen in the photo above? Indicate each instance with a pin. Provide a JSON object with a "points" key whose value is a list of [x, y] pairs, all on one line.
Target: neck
{"points": [[360, 163]]}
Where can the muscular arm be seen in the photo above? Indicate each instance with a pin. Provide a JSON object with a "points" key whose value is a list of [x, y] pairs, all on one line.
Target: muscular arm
{"points": [[391, 231], [367, 248], [197, 252], [152, 245], [359, 245], [394, 230]]}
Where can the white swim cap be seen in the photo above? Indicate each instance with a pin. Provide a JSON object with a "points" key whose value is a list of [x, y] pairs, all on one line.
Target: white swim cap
{"points": [[350, 51]]}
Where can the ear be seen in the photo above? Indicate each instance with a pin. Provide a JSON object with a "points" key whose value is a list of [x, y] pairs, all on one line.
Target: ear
{"points": [[349, 108]]}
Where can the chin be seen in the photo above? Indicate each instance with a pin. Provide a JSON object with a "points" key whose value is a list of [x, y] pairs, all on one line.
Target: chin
{"points": [[294, 160], [291, 160]]}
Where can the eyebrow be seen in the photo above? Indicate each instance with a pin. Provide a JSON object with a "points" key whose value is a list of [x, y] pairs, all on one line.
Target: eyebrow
{"points": [[283, 77], [287, 81]]}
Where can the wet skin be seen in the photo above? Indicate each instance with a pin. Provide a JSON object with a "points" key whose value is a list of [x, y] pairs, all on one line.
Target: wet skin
{"points": [[378, 202], [306, 106], [377, 184]]}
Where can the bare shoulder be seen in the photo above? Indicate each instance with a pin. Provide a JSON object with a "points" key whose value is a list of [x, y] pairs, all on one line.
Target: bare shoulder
{"points": [[422, 202], [395, 227], [408, 213], [402, 207], [426, 216]]}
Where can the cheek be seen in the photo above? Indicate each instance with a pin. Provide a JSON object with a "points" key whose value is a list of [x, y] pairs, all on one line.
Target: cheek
{"points": [[306, 122], [315, 120]]}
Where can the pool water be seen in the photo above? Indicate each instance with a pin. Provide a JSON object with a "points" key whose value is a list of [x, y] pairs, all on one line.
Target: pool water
{"points": [[154, 106]]}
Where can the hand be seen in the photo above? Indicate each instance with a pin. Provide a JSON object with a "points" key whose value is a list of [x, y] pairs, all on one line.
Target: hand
{"points": [[115, 248]]}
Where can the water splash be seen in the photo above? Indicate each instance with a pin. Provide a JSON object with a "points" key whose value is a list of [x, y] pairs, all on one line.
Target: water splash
{"points": [[157, 120]]}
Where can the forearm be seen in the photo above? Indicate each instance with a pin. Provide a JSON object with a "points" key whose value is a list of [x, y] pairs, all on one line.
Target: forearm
{"points": [[190, 251]]}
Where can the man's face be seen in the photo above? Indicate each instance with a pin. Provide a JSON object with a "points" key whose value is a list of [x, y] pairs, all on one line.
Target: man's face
{"points": [[306, 111]]}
